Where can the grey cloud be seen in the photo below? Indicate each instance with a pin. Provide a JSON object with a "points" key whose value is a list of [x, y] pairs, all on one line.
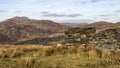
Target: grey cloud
{"points": [[107, 15], [2, 10], [47, 14], [94, 1], [18, 11], [117, 11], [105, 18], [105, 4], [74, 15], [84, 2], [44, 13], [112, 4]]}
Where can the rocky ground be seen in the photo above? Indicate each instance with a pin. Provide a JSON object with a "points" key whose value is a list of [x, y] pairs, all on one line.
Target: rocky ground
{"points": [[108, 39]]}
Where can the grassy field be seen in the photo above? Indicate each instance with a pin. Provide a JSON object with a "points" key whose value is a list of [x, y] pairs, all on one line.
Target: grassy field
{"points": [[36, 56]]}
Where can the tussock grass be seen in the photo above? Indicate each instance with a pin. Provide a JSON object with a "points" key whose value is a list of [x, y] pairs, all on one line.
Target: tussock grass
{"points": [[37, 56], [27, 62]]}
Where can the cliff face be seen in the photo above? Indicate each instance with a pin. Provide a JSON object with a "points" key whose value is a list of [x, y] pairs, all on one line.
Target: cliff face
{"points": [[89, 36]]}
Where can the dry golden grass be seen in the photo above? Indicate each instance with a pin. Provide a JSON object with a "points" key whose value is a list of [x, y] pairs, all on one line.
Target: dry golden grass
{"points": [[26, 62], [27, 56]]}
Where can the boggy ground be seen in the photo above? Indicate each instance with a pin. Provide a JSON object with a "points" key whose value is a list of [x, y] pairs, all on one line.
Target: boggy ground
{"points": [[36, 56]]}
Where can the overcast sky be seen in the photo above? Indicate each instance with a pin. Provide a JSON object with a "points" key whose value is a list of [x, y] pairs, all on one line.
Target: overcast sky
{"points": [[97, 10]]}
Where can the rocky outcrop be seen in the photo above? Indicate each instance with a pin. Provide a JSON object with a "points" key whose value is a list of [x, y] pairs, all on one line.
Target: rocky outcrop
{"points": [[89, 36], [105, 39], [79, 35]]}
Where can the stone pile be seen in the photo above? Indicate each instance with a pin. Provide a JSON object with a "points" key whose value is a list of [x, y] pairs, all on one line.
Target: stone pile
{"points": [[107, 39], [79, 35]]}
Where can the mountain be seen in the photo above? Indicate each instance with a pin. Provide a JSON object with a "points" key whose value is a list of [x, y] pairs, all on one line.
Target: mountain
{"points": [[75, 24], [101, 25], [117, 24], [40, 24], [19, 29], [23, 30]]}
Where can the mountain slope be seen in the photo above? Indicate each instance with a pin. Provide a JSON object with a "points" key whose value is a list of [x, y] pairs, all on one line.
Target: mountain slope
{"points": [[18, 29], [101, 25], [41, 24]]}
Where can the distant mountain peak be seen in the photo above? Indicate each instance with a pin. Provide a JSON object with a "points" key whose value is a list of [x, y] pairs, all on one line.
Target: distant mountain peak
{"points": [[15, 20], [21, 18]]}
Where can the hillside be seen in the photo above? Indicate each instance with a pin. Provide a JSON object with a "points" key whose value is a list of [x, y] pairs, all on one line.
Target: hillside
{"points": [[102, 25], [18, 29], [40, 24]]}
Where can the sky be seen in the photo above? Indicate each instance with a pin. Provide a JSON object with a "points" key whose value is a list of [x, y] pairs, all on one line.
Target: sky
{"points": [[62, 10]]}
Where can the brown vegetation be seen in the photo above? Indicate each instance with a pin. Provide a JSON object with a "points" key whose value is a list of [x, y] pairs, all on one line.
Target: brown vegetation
{"points": [[36, 56]]}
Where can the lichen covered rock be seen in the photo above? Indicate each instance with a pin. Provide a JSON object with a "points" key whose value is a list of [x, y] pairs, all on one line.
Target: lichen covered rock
{"points": [[79, 35], [89, 36]]}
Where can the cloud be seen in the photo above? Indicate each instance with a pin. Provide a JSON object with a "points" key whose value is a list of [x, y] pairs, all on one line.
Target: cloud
{"points": [[18, 11], [83, 2], [48, 14], [94, 1], [107, 15], [44, 12], [2, 10], [117, 11]]}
